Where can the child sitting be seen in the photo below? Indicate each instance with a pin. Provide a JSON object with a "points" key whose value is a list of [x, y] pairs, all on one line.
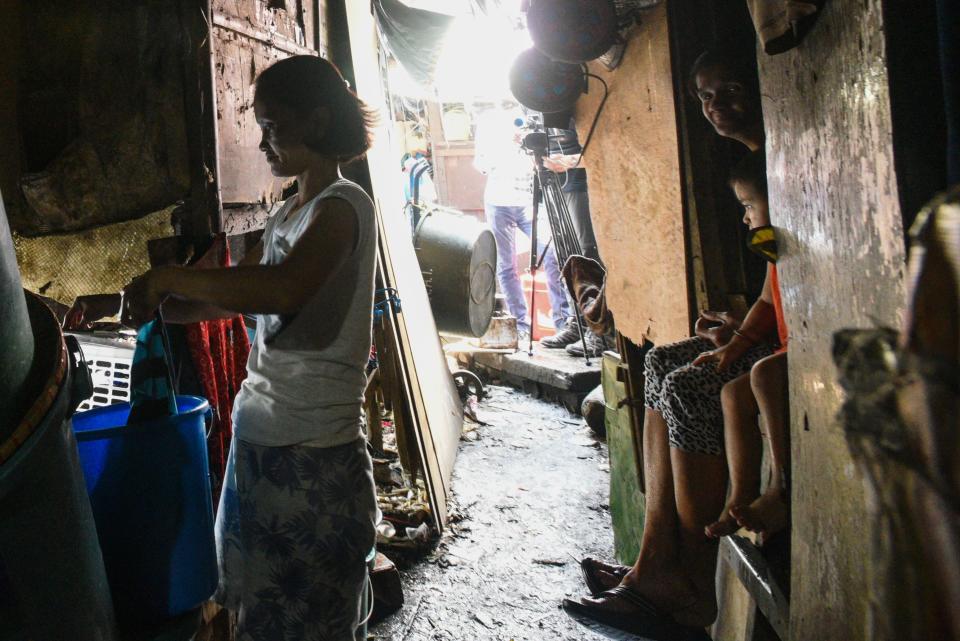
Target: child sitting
{"points": [[761, 392]]}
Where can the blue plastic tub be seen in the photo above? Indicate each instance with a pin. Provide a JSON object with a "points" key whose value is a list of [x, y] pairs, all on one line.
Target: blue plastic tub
{"points": [[149, 486]]}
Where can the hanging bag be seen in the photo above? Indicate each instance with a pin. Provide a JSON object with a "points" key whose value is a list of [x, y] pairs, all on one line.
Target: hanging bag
{"points": [[782, 24]]}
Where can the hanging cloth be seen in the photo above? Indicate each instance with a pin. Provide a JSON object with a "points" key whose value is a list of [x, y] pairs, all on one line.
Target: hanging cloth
{"points": [[219, 351], [413, 36], [152, 394], [782, 24]]}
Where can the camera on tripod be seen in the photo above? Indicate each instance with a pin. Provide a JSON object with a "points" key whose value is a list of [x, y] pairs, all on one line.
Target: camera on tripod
{"points": [[536, 143], [535, 140]]}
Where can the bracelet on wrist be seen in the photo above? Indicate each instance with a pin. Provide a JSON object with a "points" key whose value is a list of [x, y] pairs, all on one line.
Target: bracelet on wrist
{"points": [[748, 339]]}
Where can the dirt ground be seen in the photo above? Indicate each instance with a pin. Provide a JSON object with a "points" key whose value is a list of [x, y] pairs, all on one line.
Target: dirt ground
{"points": [[530, 498]]}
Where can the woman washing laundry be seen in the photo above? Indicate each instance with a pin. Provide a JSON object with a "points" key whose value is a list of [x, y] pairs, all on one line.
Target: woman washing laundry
{"points": [[298, 511]]}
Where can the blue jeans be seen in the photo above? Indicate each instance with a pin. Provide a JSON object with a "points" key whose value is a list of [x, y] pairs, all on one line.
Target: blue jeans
{"points": [[503, 220]]}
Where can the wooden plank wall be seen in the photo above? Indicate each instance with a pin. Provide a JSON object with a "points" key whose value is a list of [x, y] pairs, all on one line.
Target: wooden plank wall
{"points": [[250, 35], [834, 198], [633, 172]]}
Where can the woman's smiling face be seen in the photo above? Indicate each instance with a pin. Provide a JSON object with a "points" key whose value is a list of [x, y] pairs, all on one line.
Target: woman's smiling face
{"points": [[727, 103]]}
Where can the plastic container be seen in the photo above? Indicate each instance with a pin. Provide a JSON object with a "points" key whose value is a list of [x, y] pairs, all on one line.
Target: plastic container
{"points": [[149, 486], [543, 314], [48, 543]]}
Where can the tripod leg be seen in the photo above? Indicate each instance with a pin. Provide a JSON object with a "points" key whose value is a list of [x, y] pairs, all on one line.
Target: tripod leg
{"points": [[583, 334], [533, 260]]}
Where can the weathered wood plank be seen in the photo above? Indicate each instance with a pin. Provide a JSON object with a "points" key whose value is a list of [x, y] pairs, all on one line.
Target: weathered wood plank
{"points": [[834, 200], [435, 403], [203, 214]]}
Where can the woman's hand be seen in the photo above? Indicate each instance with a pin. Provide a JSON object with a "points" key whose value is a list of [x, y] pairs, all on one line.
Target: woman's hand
{"points": [[86, 310], [724, 356], [716, 327], [142, 297]]}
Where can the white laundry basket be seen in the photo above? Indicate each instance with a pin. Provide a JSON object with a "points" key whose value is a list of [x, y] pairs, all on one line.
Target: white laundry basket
{"points": [[109, 357]]}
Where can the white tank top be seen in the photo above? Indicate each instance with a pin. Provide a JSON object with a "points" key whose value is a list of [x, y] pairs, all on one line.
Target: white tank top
{"points": [[306, 373]]}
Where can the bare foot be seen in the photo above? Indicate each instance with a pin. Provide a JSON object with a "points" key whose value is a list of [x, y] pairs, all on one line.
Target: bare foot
{"points": [[767, 515], [726, 524]]}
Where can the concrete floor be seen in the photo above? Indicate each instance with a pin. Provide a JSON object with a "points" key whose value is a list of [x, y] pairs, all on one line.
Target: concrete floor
{"points": [[530, 497]]}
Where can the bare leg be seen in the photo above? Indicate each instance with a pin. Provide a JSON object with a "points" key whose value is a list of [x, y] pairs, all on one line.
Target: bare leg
{"points": [[700, 487], [769, 513], [676, 564], [658, 572], [659, 542], [744, 448]]}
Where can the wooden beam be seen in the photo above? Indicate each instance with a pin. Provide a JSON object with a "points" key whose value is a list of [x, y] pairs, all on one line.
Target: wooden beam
{"points": [[274, 40], [201, 115], [757, 577]]}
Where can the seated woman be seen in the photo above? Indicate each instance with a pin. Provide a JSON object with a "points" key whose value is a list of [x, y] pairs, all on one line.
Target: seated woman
{"points": [[672, 581], [763, 391]]}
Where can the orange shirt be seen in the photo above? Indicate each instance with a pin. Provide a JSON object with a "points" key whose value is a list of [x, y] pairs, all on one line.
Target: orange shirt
{"points": [[778, 309]]}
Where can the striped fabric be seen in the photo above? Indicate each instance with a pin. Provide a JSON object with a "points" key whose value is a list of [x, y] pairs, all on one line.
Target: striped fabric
{"points": [[152, 392]]}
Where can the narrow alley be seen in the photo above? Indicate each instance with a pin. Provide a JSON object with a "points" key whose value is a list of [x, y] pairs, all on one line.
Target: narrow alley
{"points": [[530, 499]]}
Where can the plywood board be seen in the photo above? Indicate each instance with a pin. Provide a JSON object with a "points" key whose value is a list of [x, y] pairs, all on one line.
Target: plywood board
{"points": [[633, 172], [435, 403]]}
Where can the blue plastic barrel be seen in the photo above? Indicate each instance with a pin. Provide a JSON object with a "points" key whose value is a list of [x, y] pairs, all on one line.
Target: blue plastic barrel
{"points": [[149, 486]]}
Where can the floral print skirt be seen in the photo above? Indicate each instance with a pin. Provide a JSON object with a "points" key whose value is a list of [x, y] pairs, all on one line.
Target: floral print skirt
{"points": [[294, 528]]}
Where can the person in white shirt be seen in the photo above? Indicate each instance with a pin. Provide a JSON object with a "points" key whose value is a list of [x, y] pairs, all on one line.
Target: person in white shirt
{"points": [[298, 511], [507, 199]]}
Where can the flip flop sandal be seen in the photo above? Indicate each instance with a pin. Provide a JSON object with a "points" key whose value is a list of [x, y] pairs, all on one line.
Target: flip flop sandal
{"points": [[647, 620], [589, 568]]}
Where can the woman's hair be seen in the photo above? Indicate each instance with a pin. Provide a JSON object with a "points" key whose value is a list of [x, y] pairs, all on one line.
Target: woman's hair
{"points": [[751, 170], [304, 83], [739, 61]]}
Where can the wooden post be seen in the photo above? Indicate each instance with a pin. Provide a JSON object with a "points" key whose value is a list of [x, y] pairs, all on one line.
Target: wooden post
{"points": [[203, 216], [900, 419]]}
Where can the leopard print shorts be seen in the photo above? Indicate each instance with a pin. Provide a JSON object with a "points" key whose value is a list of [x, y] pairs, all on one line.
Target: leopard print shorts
{"points": [[688, 396]]}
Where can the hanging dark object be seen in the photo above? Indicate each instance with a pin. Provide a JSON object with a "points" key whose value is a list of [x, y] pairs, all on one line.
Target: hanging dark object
{"points": [[782, 24], [542, 84], [413, 36], [573, 31]]}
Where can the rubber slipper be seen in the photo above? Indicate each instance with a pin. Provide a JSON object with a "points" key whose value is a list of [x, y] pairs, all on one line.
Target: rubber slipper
{"points": [[589, 568], [645, 619]]}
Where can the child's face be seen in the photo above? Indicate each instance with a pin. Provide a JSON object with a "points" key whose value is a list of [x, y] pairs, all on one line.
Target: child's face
{"points": [[282, 138], [755, 210]]}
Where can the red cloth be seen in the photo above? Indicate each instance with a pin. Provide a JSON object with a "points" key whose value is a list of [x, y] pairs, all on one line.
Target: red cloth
{"points": [[778, 309], [219, 350]]}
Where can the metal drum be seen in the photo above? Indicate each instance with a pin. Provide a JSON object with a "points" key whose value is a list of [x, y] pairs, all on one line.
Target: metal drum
{"points": [[458, 258]]}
